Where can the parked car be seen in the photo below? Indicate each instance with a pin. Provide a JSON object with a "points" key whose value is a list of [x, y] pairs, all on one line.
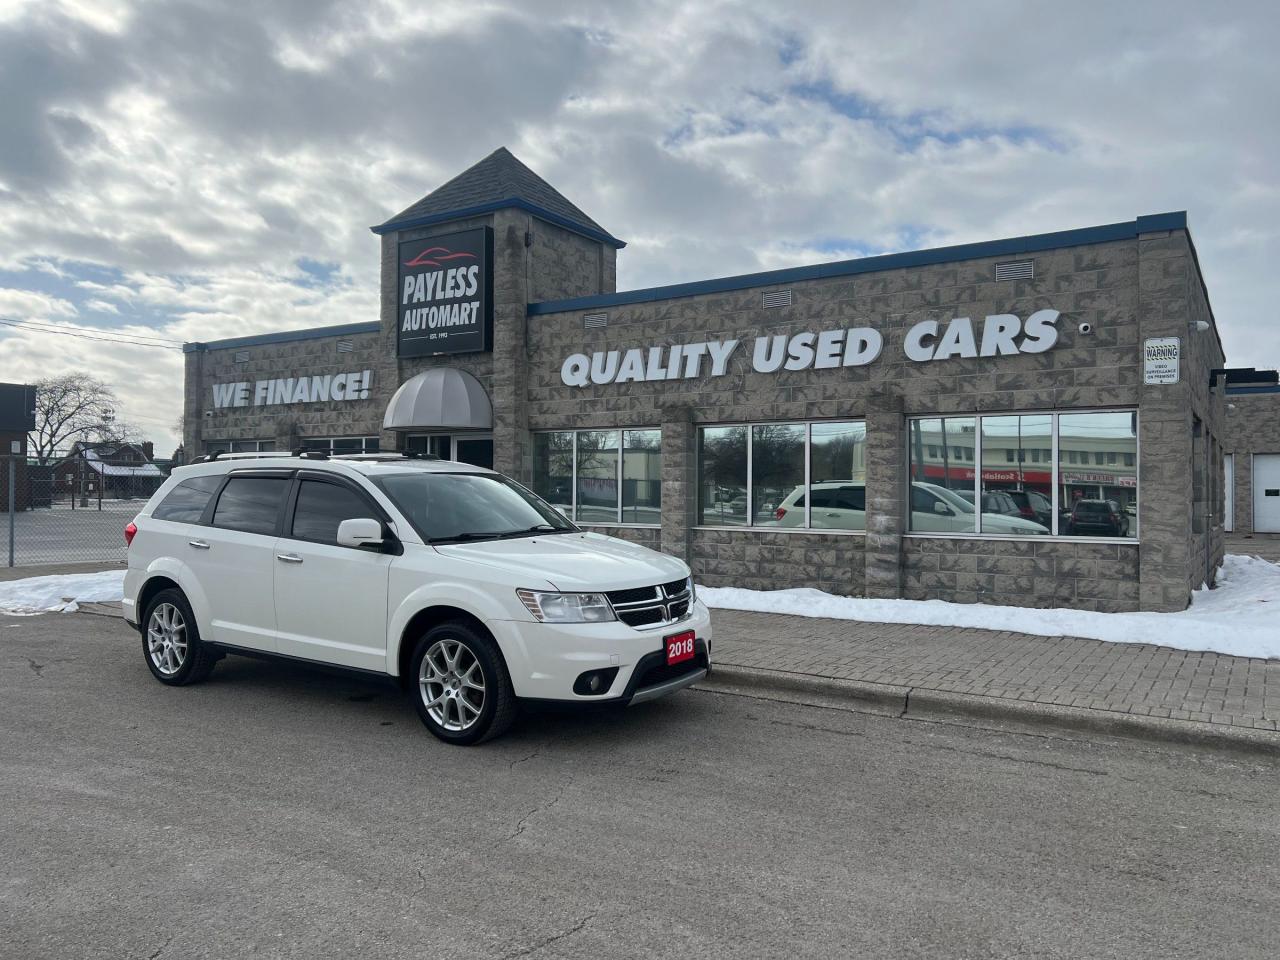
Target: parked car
{"points": [[456, 580], [1097, 518], [1033, 505], [841, 505]]}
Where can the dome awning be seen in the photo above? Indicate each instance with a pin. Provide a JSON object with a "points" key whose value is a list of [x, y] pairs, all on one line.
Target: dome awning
{"points": [[441, 397]]}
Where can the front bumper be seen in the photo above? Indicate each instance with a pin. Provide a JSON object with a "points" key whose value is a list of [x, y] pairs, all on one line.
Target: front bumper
{"points": [[544, 659]]}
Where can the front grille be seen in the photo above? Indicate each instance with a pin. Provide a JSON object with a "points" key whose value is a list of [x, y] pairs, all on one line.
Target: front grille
{"points": [[656, 606]]}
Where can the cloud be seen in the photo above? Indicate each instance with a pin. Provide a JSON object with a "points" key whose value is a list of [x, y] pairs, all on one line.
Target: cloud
{"points": [[210, 169]]}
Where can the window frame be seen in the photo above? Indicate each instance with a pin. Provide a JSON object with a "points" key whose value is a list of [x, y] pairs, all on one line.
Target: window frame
{"points": [[618, 467], [1055, 474], [750, 491]]}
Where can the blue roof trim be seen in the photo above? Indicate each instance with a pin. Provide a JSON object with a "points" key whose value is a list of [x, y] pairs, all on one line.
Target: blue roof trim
{"points": [[542, 213], [285, 336], [1269, 388], [889, 261]]}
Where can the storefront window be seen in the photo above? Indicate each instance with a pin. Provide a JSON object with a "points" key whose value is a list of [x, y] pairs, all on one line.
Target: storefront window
{"points": [[553, 469], [777, 470], [1022, 492], [597, 477], [337, 445], [578, 472], [1090, 490], [774, 494], [837, 476], [641, 476], [942, 488], [722, 476], [1100, 499]]}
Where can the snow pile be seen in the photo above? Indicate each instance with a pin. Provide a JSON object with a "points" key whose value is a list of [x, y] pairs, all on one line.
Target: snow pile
{"points": [[60, 594], [1241, 617]]}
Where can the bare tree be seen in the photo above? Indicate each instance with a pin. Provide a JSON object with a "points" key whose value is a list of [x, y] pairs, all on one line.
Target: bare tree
{"points": [[75, 406]]}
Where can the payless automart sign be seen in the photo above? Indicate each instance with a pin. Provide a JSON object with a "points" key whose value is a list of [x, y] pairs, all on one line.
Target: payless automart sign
{"points": [[446, 294], [997, 335]]}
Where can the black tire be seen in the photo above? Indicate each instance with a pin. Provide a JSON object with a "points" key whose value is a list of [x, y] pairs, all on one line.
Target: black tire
{"points": [[198, 660], [497, 708]]}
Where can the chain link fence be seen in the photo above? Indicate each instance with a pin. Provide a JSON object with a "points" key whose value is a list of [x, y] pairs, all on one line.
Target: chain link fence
{"points": [[71, 509]]}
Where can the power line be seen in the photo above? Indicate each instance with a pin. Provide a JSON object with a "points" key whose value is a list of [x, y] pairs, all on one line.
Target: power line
{"points": [[23, 325], [55, 326]]}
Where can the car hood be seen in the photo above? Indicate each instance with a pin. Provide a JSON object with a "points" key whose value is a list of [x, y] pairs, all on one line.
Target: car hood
{"points": [[572, 561], [997, 521]]}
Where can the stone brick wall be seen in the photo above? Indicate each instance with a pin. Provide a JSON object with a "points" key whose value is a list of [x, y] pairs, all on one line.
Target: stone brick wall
{"points": [[284, 424], [1252, 427], [773, 560], [1022, 573], [564, 264], [1178, 425]]}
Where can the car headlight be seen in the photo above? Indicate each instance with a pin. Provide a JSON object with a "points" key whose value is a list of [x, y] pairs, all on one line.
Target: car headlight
{"points": [[567, 607]]}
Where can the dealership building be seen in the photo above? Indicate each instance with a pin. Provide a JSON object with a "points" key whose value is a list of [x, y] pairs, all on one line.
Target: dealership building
{"points": [[1036, 421]]}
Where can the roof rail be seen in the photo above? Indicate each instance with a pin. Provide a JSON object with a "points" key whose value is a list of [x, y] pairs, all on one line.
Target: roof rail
{"points": [[245, 455], [418, 455], [306, 454]]}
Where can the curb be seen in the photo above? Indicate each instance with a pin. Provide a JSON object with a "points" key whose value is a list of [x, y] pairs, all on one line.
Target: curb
{"points": [[940, 706]]}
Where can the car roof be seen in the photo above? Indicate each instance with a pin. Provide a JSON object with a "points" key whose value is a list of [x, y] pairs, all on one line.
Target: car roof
{"points": [[367, 464]]}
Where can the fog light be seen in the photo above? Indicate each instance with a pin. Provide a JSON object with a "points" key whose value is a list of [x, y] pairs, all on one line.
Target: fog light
{"points": [[593, 683]]}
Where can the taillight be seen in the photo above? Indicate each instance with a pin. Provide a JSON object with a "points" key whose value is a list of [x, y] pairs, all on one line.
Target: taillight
{"points": [[780, 513], [130, 531]]}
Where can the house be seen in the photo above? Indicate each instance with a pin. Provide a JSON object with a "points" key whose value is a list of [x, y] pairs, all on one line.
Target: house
{"points": [[109, 471]]}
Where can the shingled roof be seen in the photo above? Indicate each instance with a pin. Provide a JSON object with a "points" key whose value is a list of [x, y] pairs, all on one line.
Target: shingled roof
{"points": [[496, 182]]}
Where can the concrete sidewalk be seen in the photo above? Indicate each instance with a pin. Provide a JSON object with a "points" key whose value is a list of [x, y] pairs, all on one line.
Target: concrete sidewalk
{"points": [[1135, 688]]}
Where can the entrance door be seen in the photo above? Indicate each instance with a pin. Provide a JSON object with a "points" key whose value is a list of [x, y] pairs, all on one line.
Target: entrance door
{"points": [[1266, 493], [472, 448], [1229, 492]]}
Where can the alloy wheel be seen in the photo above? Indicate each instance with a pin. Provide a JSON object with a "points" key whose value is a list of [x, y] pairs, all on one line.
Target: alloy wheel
{"points": [[451, 684], [167, 639]]}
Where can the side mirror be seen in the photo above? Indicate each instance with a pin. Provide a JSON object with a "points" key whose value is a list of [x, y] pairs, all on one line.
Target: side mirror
{"points": [[941, 508], [362, 532]]}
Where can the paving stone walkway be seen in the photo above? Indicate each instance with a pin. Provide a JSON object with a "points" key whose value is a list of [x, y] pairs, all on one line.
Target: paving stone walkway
{"points": [[1065, 671]]}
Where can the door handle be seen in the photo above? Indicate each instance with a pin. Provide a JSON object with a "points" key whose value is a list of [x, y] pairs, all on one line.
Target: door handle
{"points": [[289, 557], [198, 544]]}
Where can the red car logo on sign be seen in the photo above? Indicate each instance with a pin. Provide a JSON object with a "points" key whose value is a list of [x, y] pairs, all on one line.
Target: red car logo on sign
{"points": [[436, 257]]}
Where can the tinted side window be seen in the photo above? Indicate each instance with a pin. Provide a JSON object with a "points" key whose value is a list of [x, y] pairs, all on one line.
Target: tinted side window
{"points": [[922, 500], [853, 498], [250, 504], [322, 506], [185, 503]]}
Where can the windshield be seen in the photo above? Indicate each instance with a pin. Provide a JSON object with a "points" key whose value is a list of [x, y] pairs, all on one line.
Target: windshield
{"points": [[454, 507]]}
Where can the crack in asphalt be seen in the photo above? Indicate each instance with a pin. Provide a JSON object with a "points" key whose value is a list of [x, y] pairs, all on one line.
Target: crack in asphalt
{"points": [[160, 949], [555, 938], [523, 822], [35, 667], [1012, 759]]}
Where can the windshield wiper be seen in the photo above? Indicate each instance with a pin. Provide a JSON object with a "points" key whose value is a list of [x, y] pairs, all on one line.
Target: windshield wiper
{"points": [[487, 535], [536, 528]]}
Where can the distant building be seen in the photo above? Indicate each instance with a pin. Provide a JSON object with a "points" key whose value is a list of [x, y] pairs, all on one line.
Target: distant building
{"points": [[112, 471]]}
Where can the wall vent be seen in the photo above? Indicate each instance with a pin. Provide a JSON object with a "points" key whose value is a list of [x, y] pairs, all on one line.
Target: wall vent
{"points": [[242, 356], [590, 320], [345, 346], [776, 298], [1016, 270]]}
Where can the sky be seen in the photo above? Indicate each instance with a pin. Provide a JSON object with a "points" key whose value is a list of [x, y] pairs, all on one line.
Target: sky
{"points": [[186, 171]]}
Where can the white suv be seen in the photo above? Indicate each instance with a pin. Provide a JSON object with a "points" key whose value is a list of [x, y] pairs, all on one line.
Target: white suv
{"points": [[456, 580]]}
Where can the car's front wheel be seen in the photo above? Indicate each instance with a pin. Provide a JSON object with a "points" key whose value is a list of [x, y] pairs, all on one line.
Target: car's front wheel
{"points": [[461, 687], [171, 641]]}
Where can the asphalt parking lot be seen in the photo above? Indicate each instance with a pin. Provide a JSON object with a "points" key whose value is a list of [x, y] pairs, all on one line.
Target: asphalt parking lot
{"points": [[281, 812]]}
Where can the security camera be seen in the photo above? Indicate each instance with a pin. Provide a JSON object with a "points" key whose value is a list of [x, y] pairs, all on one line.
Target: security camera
{"points": [[1086, 327], [208, 414]]}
